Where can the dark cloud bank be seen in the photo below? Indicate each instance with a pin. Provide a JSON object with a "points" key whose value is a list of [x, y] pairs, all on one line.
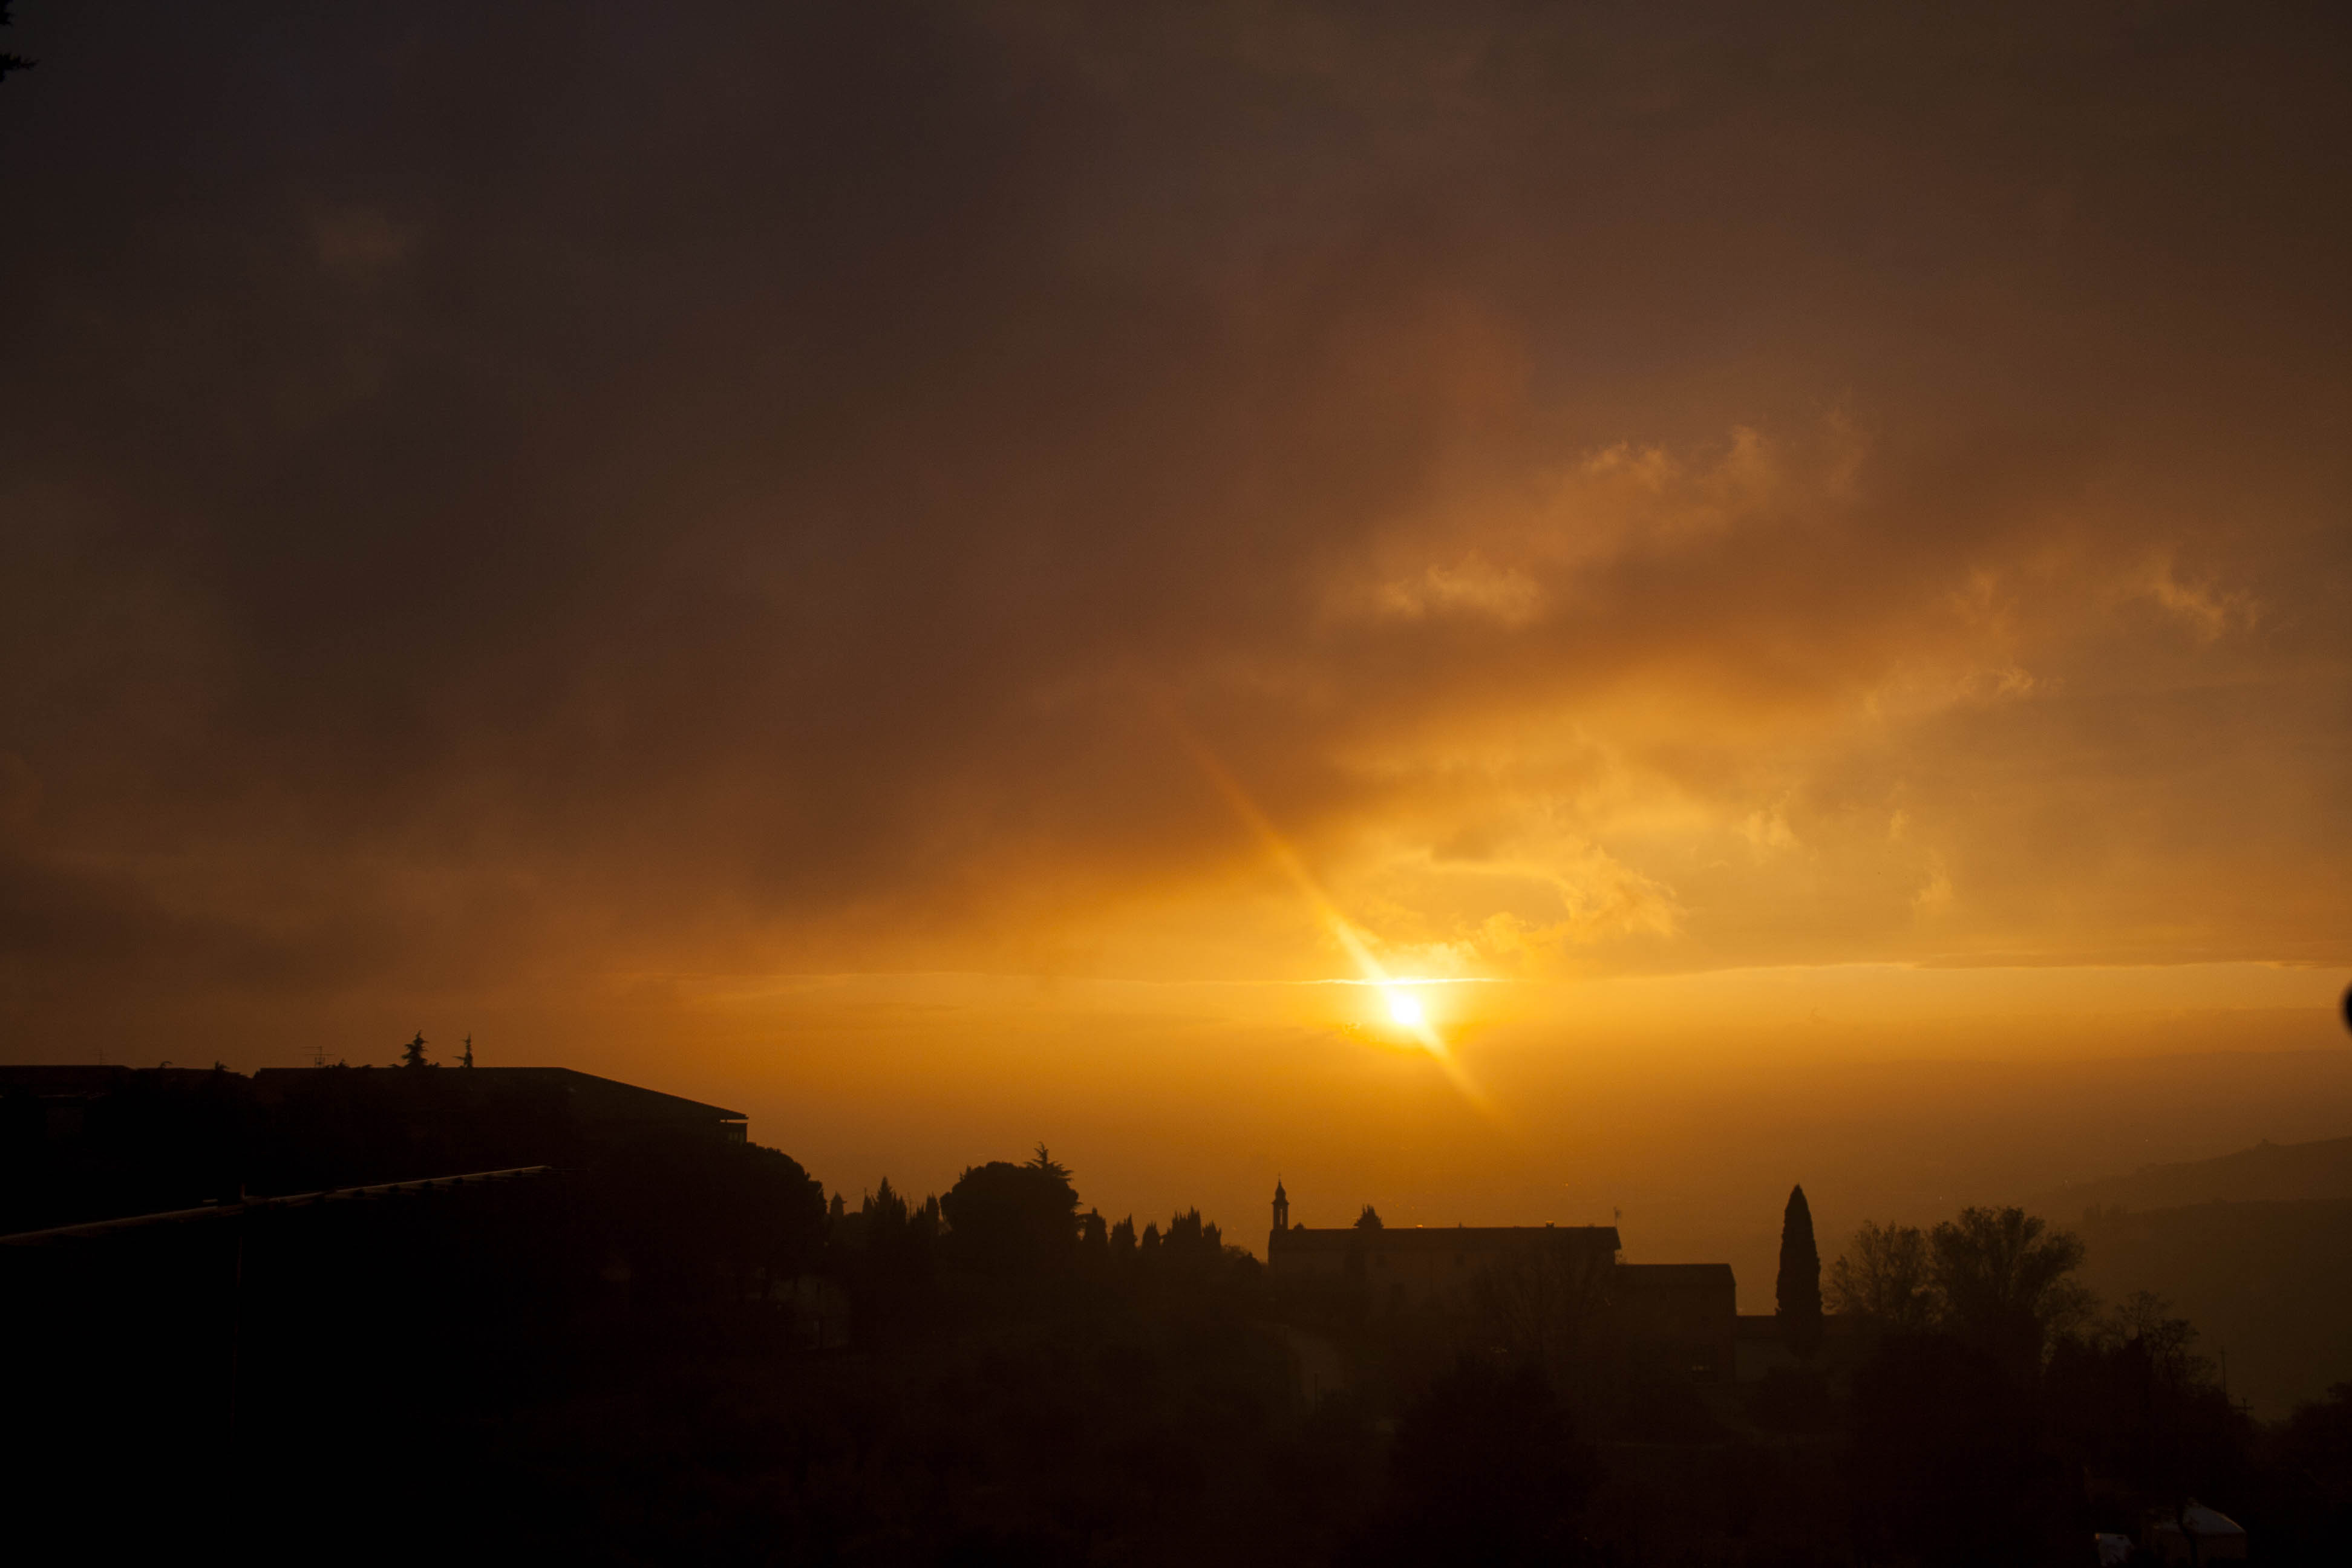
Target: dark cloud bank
{"points": [[490, 489]]}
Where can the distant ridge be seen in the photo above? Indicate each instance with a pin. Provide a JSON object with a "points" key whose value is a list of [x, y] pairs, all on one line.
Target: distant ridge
{"points": [[2253, 1247], [2267, 1172], [2264, 1282]]}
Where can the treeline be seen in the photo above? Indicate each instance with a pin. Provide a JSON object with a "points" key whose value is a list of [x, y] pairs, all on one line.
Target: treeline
{"points": [[1991, 1408], [615, 1364], [1004, 1219], [1963, 1400], [1954, 1396]]}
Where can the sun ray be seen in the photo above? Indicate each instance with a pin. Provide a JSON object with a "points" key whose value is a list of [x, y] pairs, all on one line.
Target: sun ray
{"points": [[1405, 1008]]}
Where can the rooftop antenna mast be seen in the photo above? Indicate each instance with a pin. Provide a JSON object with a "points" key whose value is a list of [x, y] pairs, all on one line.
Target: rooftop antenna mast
{"points": [[467, 1059]]}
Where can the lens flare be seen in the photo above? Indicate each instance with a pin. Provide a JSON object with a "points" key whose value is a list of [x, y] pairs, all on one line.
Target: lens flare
{"points": [[1403, 1007]]}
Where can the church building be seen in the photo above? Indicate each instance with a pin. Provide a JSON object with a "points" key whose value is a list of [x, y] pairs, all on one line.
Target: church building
{"points": [[1687, 1311]]}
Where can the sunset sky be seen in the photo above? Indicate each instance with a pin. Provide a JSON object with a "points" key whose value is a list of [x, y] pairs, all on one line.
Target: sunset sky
{"points": [[956, 574]]}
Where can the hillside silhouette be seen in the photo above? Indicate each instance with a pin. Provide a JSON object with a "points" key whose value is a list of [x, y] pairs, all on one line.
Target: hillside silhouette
{"points": [[2267, 1172], [2266, 1283], [2254, 1246]]}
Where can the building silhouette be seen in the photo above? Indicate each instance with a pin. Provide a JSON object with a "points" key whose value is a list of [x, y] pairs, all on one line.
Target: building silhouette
{"points": [[1686, 1314], [81, 1143]]}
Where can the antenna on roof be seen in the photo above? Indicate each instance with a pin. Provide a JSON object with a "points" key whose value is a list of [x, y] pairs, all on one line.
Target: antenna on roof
{"points": [[319, 1053], [467, 1059]]}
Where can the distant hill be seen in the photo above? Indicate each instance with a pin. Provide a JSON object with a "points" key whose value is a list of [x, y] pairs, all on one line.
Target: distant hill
{"points": [[2267, 1172], [2265, 1283], [2253, 1247]]}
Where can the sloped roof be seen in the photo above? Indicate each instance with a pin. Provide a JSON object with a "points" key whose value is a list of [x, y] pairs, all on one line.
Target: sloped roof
{"points": [[609, 1097], [597, 1099]]}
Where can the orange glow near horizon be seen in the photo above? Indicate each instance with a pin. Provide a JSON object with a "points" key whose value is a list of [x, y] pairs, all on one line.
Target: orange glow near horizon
{"points": [[1757, 625]]}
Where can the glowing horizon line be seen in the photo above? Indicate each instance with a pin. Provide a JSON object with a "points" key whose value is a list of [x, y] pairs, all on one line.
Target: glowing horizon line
{"points": [[1400, 980], [743, 983]]}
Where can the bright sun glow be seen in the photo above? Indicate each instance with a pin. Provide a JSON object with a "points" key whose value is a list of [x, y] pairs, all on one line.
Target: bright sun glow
{"points": [[1405, 1008]]}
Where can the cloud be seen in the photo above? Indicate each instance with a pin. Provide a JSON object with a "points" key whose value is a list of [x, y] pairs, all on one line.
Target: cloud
{"points": [[1469, 587], [1935, 894], [2209, 611], [739, 491]]}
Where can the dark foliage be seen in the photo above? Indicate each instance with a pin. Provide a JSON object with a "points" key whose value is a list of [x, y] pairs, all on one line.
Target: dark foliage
{"points": [[1009, 1219], [1944, 1461], [1788, 1399], [671, 1350], [2142, 1414], [2299, 1493], [9, 62], [1488, 1468], [2005, 1282]]}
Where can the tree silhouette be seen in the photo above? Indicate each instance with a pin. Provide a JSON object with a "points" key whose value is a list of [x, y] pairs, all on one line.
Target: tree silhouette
{"points": [[1487, 1467], [1883, 1277], [412, 1055], [2005, 1280], [1797, 1295], [1943, 1465], [1370, 1219], [10, 62], [1190, 1241], [884, 1211], [1012, 1219]]}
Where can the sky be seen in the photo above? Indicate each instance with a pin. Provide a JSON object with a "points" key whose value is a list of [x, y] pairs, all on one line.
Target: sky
{"points": [[953, 575]]}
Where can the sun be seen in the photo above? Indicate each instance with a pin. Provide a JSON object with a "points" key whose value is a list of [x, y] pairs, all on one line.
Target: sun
{"points": [[1405, 1008]]}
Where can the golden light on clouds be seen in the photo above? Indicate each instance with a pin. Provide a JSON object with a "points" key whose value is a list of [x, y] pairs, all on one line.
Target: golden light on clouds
{"points": [[984, 558]]}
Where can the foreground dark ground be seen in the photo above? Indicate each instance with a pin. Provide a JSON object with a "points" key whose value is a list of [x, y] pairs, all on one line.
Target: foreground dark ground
{"points": [[667, 1350]]}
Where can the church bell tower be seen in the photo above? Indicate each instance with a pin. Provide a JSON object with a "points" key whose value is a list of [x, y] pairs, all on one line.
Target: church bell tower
{"points": [[1281, 1213]]}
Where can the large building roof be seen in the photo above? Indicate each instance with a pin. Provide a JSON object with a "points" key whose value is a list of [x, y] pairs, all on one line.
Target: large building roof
{"points": [[594, 1098], [1676, 1276], [87, 1079], [1456, 1237]]}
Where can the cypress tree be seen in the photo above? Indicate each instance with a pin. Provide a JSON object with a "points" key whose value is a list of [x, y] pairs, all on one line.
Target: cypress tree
{"points": [[1797, 1295]]}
